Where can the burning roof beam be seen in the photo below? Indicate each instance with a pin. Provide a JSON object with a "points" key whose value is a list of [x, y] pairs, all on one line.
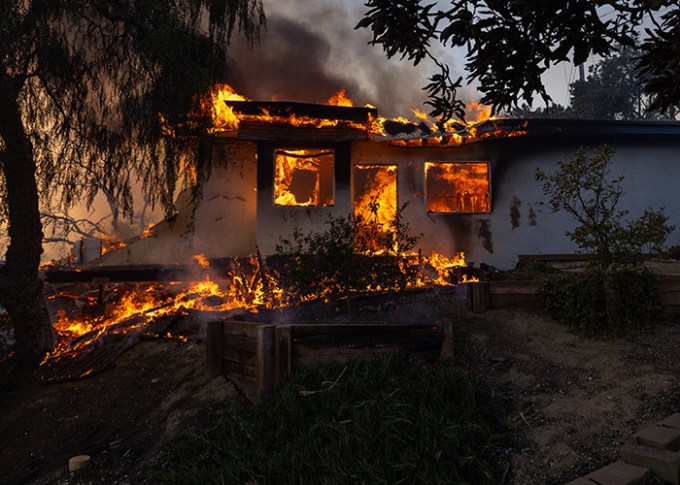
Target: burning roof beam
{"points": [[285, 110]]}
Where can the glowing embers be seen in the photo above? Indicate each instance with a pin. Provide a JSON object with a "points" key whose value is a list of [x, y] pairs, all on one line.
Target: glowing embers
{"points": [[457, 187], [303, 177], [375, 206]]}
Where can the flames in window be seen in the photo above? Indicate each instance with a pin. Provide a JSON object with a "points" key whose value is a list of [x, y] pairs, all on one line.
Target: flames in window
{"points": [[303, 177], [375, 203], [457, 186]]}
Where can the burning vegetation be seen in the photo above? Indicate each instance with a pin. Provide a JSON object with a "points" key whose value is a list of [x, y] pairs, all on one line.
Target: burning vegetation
{"points": [[123, 313]]}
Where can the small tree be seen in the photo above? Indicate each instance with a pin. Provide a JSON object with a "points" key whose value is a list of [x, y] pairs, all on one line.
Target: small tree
{"points": [[584, 189], [611, 297]]}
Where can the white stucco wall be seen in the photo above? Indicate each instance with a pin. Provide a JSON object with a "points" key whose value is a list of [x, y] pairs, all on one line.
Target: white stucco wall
{"points": [[221, 223], [225, 218]]}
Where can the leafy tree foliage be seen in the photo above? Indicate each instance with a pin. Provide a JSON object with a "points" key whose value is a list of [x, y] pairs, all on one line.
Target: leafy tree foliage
{"points": [[511, 44], [613, 90], [582, 187], [81, 86], [614, 297]]}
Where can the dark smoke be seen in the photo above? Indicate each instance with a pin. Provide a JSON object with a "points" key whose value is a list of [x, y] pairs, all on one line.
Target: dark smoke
{"points": [[289, 64], [308, 58]]}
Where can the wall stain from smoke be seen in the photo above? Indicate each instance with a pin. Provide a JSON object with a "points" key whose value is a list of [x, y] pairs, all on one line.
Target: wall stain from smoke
{"points": [[514, 212], [484, 233], [461, 231], [532, 216]]}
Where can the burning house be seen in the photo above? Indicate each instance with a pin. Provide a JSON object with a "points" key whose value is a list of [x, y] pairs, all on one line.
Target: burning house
{"points": [[278, 166]]}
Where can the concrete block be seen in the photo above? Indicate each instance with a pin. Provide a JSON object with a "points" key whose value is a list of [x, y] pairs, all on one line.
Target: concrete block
{"points": [[620, 473], [665, 464], [672, 421], [661, 437], [581, 481]]}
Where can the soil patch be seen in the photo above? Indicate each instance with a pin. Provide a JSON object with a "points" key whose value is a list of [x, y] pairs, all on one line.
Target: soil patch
{"points": [[573, 401]]}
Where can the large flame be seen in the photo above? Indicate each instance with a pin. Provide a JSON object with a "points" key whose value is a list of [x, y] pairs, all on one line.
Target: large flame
{"points": [[340, 99], [457, 187], [133, 308], [303, 177], [375, 204], [223, 117]]}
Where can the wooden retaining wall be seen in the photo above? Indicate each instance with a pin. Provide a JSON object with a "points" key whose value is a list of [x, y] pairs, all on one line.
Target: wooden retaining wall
{"points": [[491, 295], [257, 357], [669, 291]]}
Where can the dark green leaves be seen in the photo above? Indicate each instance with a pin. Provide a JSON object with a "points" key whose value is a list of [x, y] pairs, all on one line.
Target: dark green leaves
{"points": [[386, 420], [509, 45], [402, 27]]}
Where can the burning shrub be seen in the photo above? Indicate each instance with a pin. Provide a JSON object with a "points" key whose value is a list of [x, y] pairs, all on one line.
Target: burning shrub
{"points": [[389, 419], [350, 257]]}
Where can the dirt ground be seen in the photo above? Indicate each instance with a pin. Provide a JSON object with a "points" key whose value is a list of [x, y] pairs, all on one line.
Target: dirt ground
{"points": [[572, 401]]}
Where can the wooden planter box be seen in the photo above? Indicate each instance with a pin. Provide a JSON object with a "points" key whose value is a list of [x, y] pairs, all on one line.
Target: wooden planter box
{"points": [[669, 291], [257, 356], [492, 295]]}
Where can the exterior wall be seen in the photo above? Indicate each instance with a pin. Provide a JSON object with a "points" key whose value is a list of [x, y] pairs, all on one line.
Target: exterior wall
{"points": [[517, 223], [237, 213], [220, 224], [225, 219]]}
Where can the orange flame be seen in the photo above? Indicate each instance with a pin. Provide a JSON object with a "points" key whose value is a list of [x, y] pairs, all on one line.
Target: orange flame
{"points": [[375, 204], [110, 243], [136, 307], [457, 187], [223, 116], [340, 99], [201, 260], [149, 232], [303, 177]]}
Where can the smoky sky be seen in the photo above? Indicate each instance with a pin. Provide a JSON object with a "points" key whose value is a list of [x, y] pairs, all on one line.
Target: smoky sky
{"points": [[288, 64], [308, 57]]}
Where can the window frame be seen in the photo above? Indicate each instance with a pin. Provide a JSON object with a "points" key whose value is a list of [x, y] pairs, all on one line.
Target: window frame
{"points": [[324, 149]]}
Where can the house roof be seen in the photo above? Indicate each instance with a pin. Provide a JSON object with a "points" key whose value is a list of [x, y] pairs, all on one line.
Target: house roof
{"points": [[513, 127], [305, 122]]}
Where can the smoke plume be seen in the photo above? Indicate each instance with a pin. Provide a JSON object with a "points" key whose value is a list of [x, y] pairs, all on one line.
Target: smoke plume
{"points": [[310, 50]]}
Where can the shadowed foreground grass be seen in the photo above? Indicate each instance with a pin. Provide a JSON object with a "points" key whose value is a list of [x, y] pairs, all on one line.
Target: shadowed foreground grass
{"points": [[391, 419]]}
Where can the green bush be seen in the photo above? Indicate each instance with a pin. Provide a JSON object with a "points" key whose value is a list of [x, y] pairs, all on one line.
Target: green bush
{"points": [[599, 303], [390, 419]]}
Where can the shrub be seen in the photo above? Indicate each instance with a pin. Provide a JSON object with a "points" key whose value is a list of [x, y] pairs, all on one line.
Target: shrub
{"points": [[388, 419], [586, 301], [349, 257], [608, 299]]}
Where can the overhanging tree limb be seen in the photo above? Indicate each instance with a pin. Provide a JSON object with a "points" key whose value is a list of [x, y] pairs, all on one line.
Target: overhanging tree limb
{"points": [[510, 45]]}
